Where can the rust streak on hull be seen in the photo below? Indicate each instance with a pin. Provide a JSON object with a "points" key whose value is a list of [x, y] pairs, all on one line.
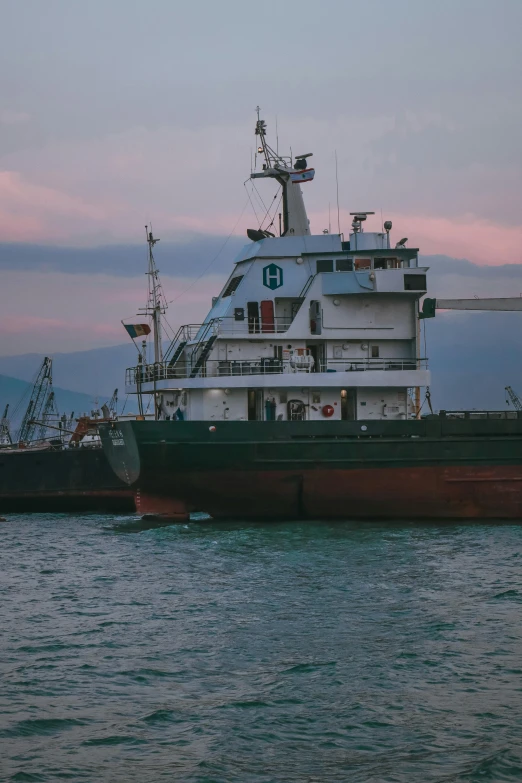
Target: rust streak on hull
{"points": [[388, 493]]}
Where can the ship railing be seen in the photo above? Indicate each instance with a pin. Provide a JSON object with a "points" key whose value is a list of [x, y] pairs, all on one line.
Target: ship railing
{"points": [[219, 368], [481, 415], [276, 325], [230, 326], [361, 365]]}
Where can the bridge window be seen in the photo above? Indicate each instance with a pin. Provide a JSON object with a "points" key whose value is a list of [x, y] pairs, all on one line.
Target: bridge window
{"points": [[325, 264], [415, 282], [232, 285], [363, 263], [343, 265]]}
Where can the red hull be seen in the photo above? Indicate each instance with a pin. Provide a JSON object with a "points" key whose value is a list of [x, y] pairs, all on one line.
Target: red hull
{"points": [[452, 492]]}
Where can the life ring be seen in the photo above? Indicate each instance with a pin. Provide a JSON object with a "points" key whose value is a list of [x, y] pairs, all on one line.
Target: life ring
{"points": [[328, 411]]}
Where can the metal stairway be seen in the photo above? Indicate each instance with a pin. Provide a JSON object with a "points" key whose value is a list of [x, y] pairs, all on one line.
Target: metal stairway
{"points": [[207, 347], [307, 286], [177, 353]]}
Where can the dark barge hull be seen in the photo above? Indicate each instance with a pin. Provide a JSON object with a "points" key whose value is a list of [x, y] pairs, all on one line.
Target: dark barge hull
{"points": [[51, 481], [437, 468]]}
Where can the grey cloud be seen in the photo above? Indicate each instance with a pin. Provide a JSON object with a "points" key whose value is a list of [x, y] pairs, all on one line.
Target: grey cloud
{"points": [[187, 259], [98, 68]]}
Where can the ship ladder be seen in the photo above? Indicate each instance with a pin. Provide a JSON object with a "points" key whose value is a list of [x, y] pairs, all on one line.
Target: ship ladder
{"points": [[177, 353], [307, 286], [203, 355]]}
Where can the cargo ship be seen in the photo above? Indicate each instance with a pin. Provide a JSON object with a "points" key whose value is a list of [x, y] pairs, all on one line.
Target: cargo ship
{"points": [[304, 393], [56, 464]]}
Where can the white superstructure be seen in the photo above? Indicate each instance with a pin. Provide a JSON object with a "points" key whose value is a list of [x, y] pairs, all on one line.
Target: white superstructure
{"points": [[306, 327]]}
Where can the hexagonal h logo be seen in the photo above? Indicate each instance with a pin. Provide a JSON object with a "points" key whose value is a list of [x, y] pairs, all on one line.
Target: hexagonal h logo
{"points": [[272, 276]]}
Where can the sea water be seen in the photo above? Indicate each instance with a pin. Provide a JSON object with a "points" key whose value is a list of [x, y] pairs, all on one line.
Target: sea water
{"points": [[259, 652]]}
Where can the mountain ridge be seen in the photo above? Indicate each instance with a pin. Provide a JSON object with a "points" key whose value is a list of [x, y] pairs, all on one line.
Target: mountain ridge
{"points": [[16, 393]]}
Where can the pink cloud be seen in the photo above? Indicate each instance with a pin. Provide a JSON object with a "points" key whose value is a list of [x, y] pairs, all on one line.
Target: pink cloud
{"points": [[480, 241], [34, 324], [31, 212], [82, 311], [477, 240], [34, 212], [27, 324]]}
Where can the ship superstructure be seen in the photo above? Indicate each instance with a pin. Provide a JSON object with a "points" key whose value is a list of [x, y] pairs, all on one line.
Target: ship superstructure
{"points": [[307, 327]]}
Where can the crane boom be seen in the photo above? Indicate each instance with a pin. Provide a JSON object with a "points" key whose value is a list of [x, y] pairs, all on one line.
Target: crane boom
{"points": [[49, 409], [515, 399], [33, 413], [5, 433], [110, 409], [113, 404], [508, 303]]}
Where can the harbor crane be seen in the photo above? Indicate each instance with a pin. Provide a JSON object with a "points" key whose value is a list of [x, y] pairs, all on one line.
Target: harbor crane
{"points": [[42, 388], [5, 433], [514, 399], [110, 409], [50, 412]]}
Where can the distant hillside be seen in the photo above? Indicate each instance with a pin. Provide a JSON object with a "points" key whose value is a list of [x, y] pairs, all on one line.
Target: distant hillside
{"points": [[95, 372], [17, 393]]}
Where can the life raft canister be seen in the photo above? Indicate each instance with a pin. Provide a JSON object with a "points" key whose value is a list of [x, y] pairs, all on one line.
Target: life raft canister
{"points": [[328, 411]]}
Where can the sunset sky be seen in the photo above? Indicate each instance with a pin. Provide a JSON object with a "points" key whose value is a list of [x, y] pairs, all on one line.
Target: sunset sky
{"points": [[119, 112]]}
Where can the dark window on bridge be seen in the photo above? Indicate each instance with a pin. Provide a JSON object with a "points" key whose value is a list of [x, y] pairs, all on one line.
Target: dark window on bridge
{"points": [[343, 265], [232, 285], [325, 265], [414, 282]]}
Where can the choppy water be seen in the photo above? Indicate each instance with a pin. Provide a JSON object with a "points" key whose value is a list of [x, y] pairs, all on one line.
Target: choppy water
{"points": [[259, 653]]}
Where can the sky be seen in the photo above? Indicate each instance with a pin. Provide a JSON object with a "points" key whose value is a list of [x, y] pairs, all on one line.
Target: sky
{"points": [[117, 113]]}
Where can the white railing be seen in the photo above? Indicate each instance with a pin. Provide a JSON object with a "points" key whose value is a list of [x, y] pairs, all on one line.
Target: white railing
{"points": [[229, 325], [220, 368]]}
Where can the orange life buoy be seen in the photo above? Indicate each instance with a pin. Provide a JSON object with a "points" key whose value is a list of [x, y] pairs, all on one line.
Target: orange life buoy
{"points": [[328, 411]]}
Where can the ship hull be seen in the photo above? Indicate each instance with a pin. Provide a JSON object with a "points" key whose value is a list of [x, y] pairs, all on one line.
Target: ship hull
{"points": [[61, 481], [438, 468]]}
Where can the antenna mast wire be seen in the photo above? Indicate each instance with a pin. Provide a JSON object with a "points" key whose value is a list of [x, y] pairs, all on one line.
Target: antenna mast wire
{"points": [[337, 188], [225, 243]]}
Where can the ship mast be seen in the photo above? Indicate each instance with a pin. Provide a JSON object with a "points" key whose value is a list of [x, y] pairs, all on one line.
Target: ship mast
{"points": [[288, 174], [156, 302]]}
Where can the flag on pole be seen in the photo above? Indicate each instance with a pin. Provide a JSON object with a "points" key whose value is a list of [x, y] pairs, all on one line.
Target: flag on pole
{"points": [[306, 175], [137, 330]]}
